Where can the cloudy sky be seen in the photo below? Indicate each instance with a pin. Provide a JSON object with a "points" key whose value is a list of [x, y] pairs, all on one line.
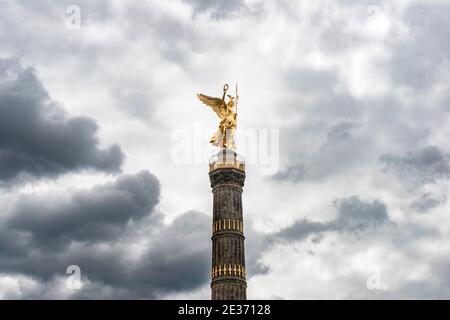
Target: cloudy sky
{"points": [[104, 147]]}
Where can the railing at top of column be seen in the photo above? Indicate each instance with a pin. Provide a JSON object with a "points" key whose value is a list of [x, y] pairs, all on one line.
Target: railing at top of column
{"points": [[226, 158]]}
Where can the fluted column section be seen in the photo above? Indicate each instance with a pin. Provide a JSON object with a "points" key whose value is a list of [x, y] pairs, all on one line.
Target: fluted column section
{"points": [[228, 272]]}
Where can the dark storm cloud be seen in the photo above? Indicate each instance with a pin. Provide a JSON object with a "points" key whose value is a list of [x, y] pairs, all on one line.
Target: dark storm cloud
{"points": [[38, 138], [353, 216], [40, 225], [88, 215], [179, 257], [256, 244], [425, 165], [95, 229]]}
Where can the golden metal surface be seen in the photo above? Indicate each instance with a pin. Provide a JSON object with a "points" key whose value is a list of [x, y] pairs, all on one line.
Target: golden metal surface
{"points": [[227, 164], [223, 225], [227, 112], [228, 269]]}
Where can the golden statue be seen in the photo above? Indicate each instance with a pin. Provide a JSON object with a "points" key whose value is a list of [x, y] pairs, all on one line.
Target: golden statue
{"points": [[227, 112]]}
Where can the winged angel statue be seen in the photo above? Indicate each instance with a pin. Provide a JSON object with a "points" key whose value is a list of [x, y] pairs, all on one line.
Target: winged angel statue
{"points": [[227, 112]]}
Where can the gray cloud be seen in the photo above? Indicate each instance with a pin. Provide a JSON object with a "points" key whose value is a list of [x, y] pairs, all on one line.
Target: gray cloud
{"points": [[419, 60], [424, 165], [293, 173], [427, 202], [256, 243], [345, 146], [353, 216], [179, 257], [301, 230], [37, 137], [341, 131], [221, 9], [335, 136]]}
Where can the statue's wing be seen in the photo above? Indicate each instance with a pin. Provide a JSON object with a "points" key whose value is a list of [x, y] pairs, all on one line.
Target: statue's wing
{"points": [[216, 104]]}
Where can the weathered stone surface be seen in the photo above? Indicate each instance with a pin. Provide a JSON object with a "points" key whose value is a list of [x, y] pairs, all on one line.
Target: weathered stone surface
{"points": [[227, 176], [228, 256]]}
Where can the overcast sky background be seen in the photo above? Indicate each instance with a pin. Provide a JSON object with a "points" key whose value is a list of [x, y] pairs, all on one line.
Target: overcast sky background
{"points": [[360, 94]]}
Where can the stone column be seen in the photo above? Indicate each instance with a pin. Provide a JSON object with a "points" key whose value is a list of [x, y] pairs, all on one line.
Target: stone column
{"points": [[228, 259]]}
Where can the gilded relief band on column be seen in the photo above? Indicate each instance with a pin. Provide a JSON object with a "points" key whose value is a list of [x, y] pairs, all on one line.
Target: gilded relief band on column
{"points": [[228, 270], [228, 225]]}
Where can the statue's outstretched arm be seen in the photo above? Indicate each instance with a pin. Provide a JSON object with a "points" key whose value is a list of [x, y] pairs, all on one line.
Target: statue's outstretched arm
{"points": [[225, 88]]}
